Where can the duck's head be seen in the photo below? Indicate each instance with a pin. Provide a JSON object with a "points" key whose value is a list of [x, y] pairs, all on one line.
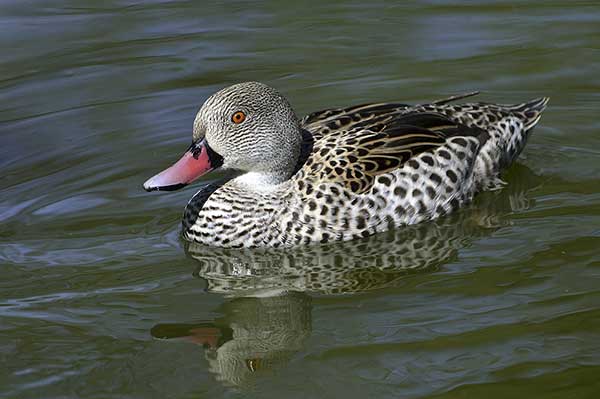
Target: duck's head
{"points": [[248, 127]]}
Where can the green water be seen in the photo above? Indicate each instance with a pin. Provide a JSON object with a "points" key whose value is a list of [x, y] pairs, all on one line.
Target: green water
{"points": [[100, 299]]}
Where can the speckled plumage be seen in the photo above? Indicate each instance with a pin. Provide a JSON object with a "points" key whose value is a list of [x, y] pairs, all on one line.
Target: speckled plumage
{"points": [[359, 170]]}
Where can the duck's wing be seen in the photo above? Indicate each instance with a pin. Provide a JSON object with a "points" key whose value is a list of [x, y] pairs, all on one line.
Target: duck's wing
{"points": [[355, 157], [336, 120]]}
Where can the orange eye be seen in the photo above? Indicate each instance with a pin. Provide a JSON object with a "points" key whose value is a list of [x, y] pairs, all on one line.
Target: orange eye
{"points": [[238, 117]]}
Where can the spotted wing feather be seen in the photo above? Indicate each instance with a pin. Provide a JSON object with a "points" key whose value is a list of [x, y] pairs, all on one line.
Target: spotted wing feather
{"points": [[354, 158]]}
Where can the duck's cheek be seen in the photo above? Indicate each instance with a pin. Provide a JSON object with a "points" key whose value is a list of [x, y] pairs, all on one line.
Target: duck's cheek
{"points": [[197, 161]]}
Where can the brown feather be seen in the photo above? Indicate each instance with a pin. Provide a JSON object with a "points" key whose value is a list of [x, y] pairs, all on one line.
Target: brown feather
{"points": [[379, 149]]}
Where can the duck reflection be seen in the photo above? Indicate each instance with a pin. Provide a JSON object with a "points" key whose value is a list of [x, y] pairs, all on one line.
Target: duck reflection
{"points": [[256, 336], [267, 317]]}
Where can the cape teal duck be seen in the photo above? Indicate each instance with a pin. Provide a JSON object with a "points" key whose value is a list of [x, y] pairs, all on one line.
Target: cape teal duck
{"points": [[338, 174]]}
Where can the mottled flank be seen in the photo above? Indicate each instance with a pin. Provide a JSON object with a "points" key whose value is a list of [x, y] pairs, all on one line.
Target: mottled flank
{"points": [[367, 169]]}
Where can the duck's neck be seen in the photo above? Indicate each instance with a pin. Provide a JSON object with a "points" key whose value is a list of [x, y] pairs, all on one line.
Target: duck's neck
{"points": [[260, 181], [293, 155]]}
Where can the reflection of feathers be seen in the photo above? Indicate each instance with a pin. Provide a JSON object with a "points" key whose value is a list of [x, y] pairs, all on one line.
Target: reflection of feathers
{"points": [[266, 334]]}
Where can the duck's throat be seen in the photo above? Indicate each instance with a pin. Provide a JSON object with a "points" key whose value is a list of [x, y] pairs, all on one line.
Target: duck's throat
{"points": [[195, 204], [238, 214], [261, 181]]}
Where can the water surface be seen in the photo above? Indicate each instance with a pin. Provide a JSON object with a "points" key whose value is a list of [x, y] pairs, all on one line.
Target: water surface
{"points": [[100, 298]]}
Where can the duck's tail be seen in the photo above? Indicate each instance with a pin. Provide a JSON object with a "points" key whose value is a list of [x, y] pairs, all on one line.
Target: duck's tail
{"points": [[507, 138], [530, 112]]}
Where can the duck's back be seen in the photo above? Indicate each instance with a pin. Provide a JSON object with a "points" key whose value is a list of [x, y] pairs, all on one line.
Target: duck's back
{"points": [[376, 167]]}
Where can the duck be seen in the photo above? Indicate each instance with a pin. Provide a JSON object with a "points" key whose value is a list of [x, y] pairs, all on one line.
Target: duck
{"points": [[338, 174]]}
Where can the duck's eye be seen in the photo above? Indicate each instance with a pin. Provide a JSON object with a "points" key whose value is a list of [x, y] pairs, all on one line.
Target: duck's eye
{"points": [[238, 117]]}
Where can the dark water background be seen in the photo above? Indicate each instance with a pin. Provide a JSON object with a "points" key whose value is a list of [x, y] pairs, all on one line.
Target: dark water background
{"points": [[99, 299]]}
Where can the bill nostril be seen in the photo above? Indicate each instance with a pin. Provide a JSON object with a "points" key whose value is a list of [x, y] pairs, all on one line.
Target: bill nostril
{"points": [[196, 149]]}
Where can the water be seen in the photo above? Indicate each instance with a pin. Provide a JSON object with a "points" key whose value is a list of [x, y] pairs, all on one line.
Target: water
{"points": [[100, 298]]}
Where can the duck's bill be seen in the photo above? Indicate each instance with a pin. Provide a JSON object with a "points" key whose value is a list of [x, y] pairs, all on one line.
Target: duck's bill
{"points": [[197, 161], [206, 334]]}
